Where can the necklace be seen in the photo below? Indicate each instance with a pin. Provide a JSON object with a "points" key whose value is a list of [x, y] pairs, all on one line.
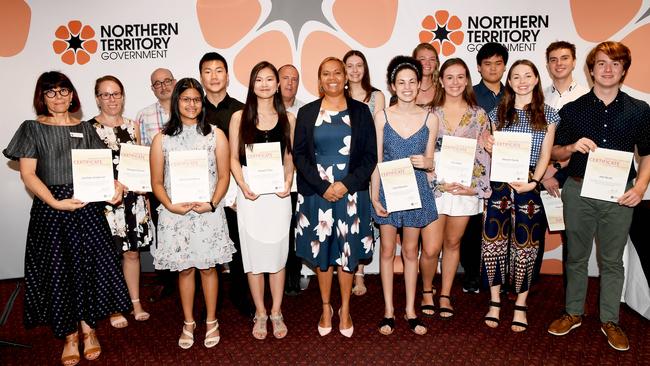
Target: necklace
{"points": [[427, 89]]}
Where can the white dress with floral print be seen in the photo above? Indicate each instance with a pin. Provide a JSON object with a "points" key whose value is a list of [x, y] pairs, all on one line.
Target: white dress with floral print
{"points": [[192, 240]]}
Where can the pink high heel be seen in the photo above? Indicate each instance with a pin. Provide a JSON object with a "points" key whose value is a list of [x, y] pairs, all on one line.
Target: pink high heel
{"points": [[346, 332], [323, 331]]}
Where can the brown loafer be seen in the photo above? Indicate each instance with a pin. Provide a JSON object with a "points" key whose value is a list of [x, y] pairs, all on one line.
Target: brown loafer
{"points": [[615, 336], [565, 324]]}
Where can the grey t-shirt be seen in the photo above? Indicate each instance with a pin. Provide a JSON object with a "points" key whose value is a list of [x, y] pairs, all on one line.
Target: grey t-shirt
{"points": [[51, 146]]}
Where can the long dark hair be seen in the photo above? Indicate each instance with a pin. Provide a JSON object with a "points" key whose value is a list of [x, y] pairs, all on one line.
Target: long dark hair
{"points": [[249, 118], [51, 80], [365, 79], [175, 125], [468, 94], [507, 115]]}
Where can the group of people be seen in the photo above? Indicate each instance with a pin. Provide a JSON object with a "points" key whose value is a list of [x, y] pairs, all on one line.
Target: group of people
{"points": [[333, 144]]}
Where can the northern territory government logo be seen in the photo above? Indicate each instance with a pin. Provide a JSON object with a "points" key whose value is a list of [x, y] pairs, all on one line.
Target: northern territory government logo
{"points": [[76, 43], [446, 32]]}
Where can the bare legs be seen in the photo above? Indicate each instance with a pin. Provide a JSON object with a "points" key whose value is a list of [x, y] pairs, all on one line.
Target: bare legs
{"points": [[276, 283], [187, 287], [131, 270], [445, 235], [325, 286]]}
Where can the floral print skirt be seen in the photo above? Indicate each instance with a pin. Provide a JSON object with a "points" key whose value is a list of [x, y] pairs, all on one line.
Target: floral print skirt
{"points": [[334, 233]]}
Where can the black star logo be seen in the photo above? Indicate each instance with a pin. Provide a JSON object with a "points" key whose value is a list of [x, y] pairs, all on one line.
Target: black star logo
{"points": [[441, 33], [74, 43]]}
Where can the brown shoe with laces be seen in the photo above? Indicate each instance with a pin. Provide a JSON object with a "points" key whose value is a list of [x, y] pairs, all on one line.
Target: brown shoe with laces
{"points": [[615, 336], [565, 324]]}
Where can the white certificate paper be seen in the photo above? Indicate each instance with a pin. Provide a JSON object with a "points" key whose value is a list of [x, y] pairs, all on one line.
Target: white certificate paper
{"points": [[510, 157], [189, 176], [92, 175], [264, 170], [399, 184], [554, 209], [456, 160], [133, 170], [606, 174]]}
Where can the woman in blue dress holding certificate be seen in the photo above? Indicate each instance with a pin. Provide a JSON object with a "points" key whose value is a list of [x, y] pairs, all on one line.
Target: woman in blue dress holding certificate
{"points": [[459, 116], [404, 130], [335, 153], [129, 221], [192, 235], [72, 273], [514, 221], [263, 217]]}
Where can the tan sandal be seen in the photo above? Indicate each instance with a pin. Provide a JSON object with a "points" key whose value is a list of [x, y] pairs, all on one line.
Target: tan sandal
{"points": [[259, 327], [359, 289], [279, 328], [186, 343], [118, 321], [92, 349], [73, 358], [141, 316], [211, 341]]}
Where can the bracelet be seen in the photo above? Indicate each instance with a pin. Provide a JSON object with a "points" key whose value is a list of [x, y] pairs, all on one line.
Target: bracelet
{"points": [[213, 208], [537, 183]]}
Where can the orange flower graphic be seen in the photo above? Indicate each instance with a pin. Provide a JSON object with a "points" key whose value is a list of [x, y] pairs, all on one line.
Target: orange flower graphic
{"points": [[596, 22], [224, 24], [442, 31], [74, 43]]}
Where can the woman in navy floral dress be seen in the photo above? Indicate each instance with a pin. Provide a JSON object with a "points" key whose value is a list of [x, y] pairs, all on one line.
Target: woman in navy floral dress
{"points": [[335, 153]]}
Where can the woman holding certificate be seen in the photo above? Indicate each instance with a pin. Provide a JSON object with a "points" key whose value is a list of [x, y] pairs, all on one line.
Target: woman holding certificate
{"points": [[514, 219], [359, 88], [261, 136], [72, 275], [404, 118], [335, 152], [129, 221], [462, 178], [190, 172]]}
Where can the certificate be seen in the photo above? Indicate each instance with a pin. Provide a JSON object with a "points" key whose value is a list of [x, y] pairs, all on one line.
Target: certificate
{"points": [[189, 176], [456, 161], [399, 184], [133, 170], [606, 174], [92, 175], [554, 209], [510, 157], [264, 171]]}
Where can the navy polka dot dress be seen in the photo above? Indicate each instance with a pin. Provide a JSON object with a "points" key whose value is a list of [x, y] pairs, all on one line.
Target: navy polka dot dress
{"points": [[72, 271]]}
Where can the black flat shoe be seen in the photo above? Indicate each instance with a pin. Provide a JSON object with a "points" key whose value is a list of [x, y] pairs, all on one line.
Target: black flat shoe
{"points": [[428, 310], [414, 324], [493, 304], [387, 322], [442, 310], [519, 324]]}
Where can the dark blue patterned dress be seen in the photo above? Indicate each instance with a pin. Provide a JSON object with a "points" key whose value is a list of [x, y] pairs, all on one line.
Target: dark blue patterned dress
{"points": [[338, 233], [396, 147]]}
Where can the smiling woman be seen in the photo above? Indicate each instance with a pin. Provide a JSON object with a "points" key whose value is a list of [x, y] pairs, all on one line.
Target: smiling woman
{"points": [[335, 154]]}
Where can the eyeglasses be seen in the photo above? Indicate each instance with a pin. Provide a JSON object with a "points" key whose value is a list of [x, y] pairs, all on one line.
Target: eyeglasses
{"points": [[159, 84], [107, 96], [188, 100], [52, 93]]}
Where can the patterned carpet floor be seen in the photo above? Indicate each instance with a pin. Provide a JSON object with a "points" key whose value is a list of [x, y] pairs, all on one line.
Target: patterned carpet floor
{"points": [[461, 340]]}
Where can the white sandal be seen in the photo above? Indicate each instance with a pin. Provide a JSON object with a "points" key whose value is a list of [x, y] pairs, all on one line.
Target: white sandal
{"points": [[210, 342], [186, 343], [139, 316]]}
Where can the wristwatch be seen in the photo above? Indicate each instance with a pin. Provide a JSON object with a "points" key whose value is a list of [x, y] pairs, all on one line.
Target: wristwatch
{"points": [[557, 165], [213, 208]]}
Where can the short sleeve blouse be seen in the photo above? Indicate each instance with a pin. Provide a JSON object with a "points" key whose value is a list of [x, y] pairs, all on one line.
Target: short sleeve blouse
{"points": [[51, 146], [523, 125]]}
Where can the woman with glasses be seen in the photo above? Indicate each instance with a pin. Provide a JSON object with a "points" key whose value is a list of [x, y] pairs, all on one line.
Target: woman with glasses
{"points": [[72, 275], [129, 221], [264, 219], [192, 235]]}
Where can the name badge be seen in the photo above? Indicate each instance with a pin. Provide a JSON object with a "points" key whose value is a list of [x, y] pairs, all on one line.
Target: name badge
{"points": [[78, 135]]}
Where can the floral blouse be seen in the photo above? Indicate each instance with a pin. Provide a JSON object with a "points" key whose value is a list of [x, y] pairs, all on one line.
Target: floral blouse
{"points": [[472, 125]]}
